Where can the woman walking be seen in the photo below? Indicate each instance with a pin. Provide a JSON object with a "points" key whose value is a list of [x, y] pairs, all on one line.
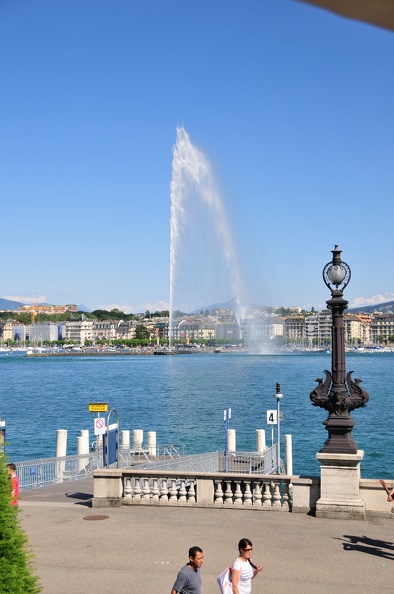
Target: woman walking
{"points": [[244, 570]]}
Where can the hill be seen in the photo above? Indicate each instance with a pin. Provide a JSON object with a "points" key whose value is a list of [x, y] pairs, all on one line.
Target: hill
{"points": [[8, 304], [388, 306]]}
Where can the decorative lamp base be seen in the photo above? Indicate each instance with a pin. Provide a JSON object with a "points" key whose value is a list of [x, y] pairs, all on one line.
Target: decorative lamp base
{"points": [[340, 486]]}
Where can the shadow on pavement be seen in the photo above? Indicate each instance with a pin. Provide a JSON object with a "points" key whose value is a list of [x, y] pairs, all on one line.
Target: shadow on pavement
{"points": [[370, 546]]}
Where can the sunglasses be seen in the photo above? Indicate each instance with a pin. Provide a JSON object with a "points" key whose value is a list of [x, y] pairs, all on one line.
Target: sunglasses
{"points": [[246, 550]]}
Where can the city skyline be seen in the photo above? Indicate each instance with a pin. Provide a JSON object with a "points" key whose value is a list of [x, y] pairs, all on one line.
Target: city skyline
{"points": [[291, 104]]}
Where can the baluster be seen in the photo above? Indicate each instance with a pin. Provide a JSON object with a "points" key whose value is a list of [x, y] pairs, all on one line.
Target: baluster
{"points": [[127, 488], [155, 491], [238, 493], [218, 493], [267, 495], [191, 497], [247, 494], [146, 491], [228, 495], [173, 493], [286, 498], [164, 492], [257, 494], [182, 492], [137, 490], [276, 496]]}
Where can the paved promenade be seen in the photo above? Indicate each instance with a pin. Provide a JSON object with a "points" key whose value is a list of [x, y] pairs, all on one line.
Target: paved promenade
{"points": [[138, 550]]}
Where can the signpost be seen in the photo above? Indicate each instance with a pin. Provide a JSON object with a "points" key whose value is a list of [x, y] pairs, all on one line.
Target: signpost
{"points": [[98, 407]]}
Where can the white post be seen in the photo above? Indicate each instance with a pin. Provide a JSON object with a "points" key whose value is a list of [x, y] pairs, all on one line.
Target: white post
{"points": [[86, 442], [260, 440], [61, 443], [231, 440], [152, 443], [138, 438], [125, 439], [289, 454], [80, 450], [61, 450]]}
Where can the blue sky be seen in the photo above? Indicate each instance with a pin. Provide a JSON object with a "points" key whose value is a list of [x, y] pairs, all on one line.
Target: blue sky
{"points": [[292, 105]]}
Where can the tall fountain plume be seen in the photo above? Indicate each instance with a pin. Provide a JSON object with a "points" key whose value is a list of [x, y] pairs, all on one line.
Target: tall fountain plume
{"points": [[193, 180]]}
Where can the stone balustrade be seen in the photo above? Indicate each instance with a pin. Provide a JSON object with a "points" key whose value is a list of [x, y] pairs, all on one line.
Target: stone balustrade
{"points": [[116, 487], [143, 487]]}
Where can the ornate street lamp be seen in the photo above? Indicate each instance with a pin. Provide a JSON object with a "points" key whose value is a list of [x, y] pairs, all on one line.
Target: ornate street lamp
{"points": [[338, 394]]}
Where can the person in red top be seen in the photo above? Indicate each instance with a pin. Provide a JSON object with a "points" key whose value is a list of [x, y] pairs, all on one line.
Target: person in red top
{"points": [[11, 468]]}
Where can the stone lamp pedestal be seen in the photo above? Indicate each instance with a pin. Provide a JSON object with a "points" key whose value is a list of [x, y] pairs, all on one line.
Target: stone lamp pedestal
{"points": [[340, 486]]}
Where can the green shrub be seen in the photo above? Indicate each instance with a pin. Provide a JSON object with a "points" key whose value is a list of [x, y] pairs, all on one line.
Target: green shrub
{"points": [[15, 557]]}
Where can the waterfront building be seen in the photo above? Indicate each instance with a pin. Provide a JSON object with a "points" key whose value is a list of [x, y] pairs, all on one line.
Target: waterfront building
{"points": [[257, 331], [295, 328], [382, 327], [79, 330], [105, 330], [227, 331], [126, 330], [7, 330], [19, 333], [312, 330], [42, 332]]}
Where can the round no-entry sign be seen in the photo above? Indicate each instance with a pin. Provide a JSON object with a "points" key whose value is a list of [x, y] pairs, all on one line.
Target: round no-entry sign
{"points": [[99, 426]]}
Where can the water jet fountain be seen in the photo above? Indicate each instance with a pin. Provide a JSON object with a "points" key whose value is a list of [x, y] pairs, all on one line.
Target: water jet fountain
{"points": [[197, 210]]}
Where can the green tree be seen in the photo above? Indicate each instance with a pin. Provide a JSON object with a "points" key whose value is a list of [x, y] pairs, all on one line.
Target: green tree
{"points": [[16, 575]]}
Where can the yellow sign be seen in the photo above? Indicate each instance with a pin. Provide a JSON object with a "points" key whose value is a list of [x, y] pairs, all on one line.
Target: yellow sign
{"points": [[98, 406]]}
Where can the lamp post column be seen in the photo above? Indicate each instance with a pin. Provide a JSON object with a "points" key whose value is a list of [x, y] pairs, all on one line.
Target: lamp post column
{"points": [[338, 394]]}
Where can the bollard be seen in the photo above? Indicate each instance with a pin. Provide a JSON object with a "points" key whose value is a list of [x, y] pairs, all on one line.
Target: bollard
{"points": [[83, 448], [138, 437], [289, 454], [260, 440], [61, 450], [231, 440], [126, 439], [152, 443]]}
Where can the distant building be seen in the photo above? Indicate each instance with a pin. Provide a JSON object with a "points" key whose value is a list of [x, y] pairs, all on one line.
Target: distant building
{"points": [[48, 309], [41, 332], [79, 330], [227, 331]]}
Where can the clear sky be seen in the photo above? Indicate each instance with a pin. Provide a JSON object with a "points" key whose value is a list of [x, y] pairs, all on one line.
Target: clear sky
{"points": [[292, 105]]}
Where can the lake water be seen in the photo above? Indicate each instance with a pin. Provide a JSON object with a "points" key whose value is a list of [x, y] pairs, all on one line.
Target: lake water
{"points": [[182, 398]]}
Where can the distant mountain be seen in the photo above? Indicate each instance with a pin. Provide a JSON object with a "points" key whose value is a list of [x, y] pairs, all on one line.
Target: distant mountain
{"points": [[84, 308], [388, 306], [231, 304], [8, 304]]}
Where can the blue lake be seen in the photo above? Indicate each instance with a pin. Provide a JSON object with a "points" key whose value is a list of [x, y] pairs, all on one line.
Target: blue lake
{"points": [[182, 398]]}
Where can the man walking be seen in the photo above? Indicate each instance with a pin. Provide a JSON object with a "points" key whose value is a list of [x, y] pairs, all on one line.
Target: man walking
{"points": [[188, 580]]}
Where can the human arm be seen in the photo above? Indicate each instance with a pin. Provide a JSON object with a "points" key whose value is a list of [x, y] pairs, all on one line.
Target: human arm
{"points": [[257, 570], [173, 591], [390, 494], [235, 575]]}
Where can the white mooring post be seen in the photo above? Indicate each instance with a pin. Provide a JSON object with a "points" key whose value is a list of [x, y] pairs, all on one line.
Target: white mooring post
{"points": [[232, 440], [138, 438], [125, 434], [260, 440], [83, 448], [61, 450], [152, 443], [289, 454]]}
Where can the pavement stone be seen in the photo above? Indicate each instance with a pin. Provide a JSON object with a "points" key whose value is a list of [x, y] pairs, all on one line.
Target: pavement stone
{"points": [[139, 549]]}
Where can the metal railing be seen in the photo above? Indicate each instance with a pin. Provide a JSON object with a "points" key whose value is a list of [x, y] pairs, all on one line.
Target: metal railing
{"points": [[49, 471], [237, 462]]}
